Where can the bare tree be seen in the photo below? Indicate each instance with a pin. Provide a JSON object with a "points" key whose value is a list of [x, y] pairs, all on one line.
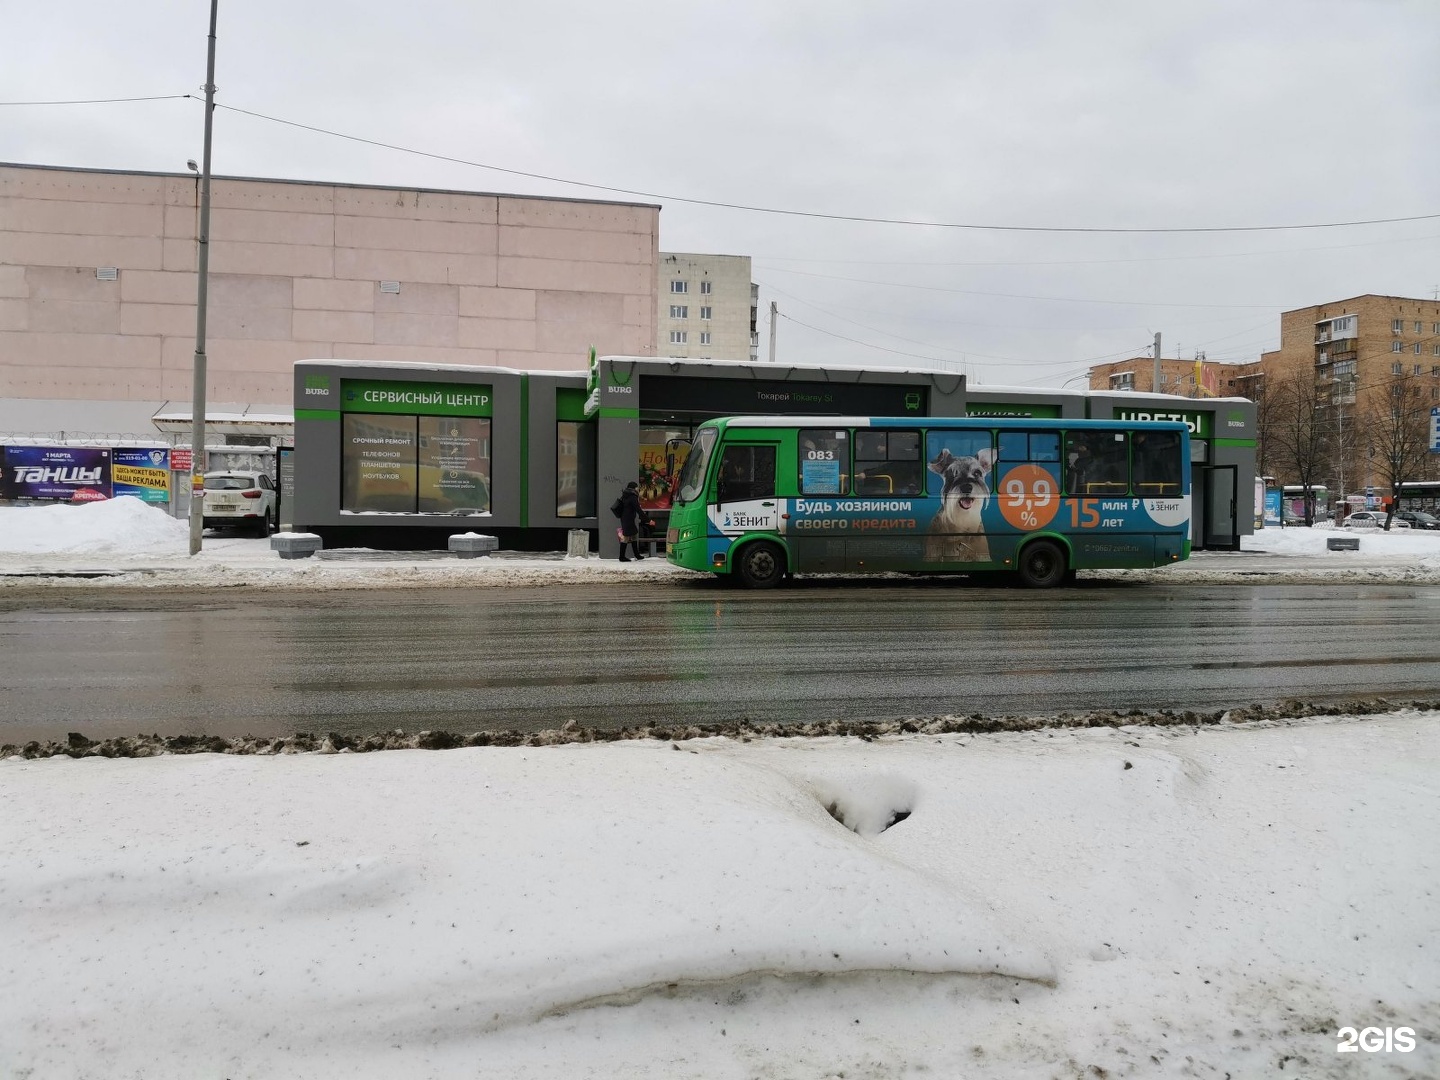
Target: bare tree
{"points": [[1298, 431], [1396, 427]]}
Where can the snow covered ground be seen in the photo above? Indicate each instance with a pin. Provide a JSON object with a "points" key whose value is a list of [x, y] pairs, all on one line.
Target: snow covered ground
{"points": [[131, 544], [1110, 902]]}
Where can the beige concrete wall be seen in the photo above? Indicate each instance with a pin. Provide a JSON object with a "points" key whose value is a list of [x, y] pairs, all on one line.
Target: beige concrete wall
{"points": [[295, 273]]}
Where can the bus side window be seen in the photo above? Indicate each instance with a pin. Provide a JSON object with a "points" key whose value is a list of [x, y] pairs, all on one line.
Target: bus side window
{"points": [[1097, 463], [747, 472], [1157, 464], [887, 462]]}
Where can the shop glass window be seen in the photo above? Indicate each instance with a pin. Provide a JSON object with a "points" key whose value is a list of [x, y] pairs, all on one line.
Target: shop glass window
{"points": [[1097, 463], [888, 463], [574, 469], [377, 463], [1157, 464], [824, 463], [453, 456]]}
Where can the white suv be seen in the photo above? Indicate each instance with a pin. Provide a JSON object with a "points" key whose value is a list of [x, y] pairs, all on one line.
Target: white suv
{"points": [[240, 500]]}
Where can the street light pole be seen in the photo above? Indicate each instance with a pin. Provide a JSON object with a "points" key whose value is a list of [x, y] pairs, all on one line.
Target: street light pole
{"points": [[197, 402]]}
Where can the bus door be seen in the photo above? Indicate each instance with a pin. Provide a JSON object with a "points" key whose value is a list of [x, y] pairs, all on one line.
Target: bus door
{"points": [[1217, 524], [745, 499]]}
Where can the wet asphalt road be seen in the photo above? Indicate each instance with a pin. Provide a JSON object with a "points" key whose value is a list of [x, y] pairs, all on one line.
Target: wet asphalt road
{"points": [[225, 663]]}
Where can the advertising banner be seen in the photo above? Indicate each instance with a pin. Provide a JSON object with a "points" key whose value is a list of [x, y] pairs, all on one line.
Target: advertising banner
{"points": [[660, 465], [145, 474], [71, 473]]}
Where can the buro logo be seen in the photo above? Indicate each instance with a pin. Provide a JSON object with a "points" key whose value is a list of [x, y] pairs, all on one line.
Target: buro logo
{"points": [[317, 385], [1373, 1040], [622, 389]]}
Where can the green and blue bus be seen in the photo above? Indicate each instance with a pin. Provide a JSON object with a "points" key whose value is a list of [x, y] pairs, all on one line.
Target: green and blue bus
{"points": [[764, 497]]}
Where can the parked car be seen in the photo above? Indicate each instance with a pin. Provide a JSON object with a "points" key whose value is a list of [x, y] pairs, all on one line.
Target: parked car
{"points": [[1418, 519], [1372, 519], [236, 499]]}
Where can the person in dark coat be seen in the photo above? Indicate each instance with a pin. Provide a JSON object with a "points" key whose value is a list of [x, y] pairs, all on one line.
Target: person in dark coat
{"points": [[631, 515]]}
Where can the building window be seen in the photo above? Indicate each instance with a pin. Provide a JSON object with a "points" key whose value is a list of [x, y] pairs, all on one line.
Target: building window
{"points": [[679, 286], [679, 311], [705, 312], [706, 288], [1397, 326], [1417, 348], [1418, 326], [1396, 368], [1395, 346], [1435, 328], [704, 337], [678, 337], [1417, 369]]}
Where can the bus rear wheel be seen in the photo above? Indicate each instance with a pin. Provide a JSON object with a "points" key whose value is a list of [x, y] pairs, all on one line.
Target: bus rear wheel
{"points": [[762, 565], [1041, 565]]}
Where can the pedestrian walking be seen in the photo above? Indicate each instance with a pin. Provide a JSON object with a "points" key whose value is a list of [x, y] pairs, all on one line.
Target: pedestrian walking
{"points": [[632, 516]]}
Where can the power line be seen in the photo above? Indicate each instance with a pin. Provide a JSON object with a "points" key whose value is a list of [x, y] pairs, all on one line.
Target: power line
{"points": [[1020, 296], [858, 218], [103, 101]]}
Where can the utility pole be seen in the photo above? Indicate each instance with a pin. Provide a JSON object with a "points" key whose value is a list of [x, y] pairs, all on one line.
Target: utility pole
{"points": [[773, 312], [197, 402], [1155, 381]]}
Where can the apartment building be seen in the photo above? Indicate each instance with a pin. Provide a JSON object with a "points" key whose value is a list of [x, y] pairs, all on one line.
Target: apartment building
{"points": [[1183, 378], [1362, 353], [1354, 346], [98, 287], [707, 307]]}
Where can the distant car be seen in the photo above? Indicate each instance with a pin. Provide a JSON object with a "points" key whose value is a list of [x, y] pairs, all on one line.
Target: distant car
{"points": [[1372, 519], [1419, 519], [240, 500]]}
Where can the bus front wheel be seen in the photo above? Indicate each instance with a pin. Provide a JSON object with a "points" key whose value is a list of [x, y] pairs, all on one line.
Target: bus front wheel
{"points": [[762, 565], [1041, 565]]}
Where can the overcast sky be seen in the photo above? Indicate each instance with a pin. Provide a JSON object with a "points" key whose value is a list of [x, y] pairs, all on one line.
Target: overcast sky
{"points": [[1058, 115]]}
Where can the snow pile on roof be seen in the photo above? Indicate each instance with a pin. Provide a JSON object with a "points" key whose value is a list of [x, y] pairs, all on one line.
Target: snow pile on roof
{"points": [[113, 526]]}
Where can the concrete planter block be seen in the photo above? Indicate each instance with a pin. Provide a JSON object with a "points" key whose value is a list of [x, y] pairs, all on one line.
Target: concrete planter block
{"points": [[1342, 543], [295, 545], [473, 545], [577, 544]]}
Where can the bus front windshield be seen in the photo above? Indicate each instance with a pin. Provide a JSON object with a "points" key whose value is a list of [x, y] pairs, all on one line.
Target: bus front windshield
{"points": [[697, 463]]}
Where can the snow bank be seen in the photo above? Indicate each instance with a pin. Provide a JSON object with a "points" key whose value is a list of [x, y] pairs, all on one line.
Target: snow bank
{"points": [[1122, 902], [125, 524]]}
